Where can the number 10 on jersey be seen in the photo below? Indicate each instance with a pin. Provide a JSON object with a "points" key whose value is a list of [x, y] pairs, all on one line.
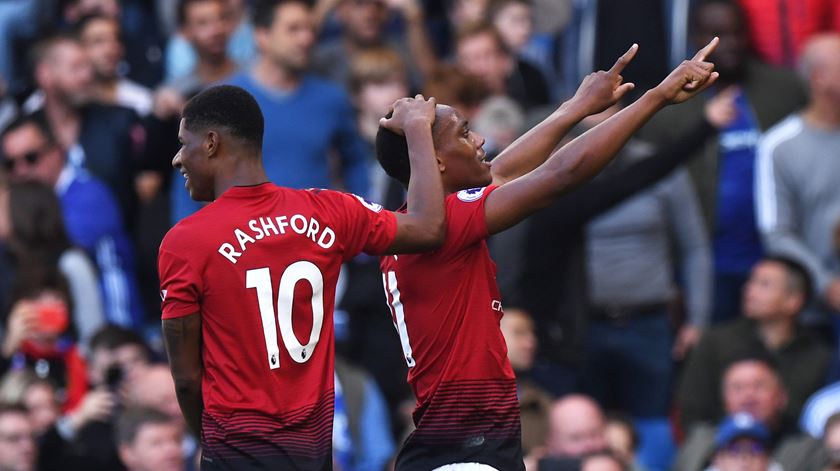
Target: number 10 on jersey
{"points": [[260, 279]]}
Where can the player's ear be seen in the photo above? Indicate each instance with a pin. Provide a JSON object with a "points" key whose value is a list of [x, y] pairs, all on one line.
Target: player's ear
{"points": [[211, 143]]}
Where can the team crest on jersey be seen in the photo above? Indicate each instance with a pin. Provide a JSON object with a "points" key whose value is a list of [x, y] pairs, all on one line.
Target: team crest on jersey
{"points": [[473, 194], [367, 204]]}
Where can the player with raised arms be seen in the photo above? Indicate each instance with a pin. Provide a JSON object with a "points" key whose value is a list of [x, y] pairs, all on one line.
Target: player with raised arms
{"points": [[446, 304], [248, 283]]}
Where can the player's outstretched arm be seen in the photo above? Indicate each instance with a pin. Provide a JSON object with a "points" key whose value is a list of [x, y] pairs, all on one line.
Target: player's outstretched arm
{"points": [[598, 91], [182, 338], [583, 158], [423, 227]]}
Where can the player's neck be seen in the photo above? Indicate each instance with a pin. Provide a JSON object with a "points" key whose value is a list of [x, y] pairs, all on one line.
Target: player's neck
{"points": [[248, 171]]}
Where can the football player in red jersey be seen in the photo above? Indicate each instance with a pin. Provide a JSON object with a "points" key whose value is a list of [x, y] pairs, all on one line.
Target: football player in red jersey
{"points": [[248, 283], [446, 305]]}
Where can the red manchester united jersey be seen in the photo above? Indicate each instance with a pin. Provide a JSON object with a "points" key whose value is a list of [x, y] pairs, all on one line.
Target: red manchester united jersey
{"points": [[260, 265], [446, 308]]}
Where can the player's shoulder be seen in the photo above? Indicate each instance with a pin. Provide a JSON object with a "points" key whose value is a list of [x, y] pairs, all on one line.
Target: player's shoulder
{"points": [[335, 197], [469, 196]]}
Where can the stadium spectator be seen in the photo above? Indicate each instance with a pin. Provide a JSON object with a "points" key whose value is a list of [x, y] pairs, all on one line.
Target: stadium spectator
{"points": [[543, 265], [480, 51], [723, 172], [741, 445], [38, 395], [623, 441], [152, 387], [91, 215], [362, 429], [458, 89], [115, 354], [753, 386], [779, 31], [363, 26], [148, 440], [38, 335], [182, 54], [534, 403], [31, 225], [99, 35], [798, 207], [832, 442], [629, 342], [577, 427], [822, 405], [107, 140], [602, 461], [18, 450], [514, 20], [773, 300], [297, 154]]}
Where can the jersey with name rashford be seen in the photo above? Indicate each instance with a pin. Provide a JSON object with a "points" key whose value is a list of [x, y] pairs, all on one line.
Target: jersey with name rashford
{"points": [[446, 308], [260, 265]]}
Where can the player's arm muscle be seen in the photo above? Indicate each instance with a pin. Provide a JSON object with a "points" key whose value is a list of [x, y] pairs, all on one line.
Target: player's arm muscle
{"points": [[423, 227], [597, 92], [182, 338], [584, 157]]}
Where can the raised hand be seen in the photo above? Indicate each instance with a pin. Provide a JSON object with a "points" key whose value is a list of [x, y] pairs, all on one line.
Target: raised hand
{"points": [[689, 78], [409, 111], [602, 89]]}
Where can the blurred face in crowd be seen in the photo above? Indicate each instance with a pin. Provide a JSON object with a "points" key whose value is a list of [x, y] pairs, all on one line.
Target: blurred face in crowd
{"points": [[768, 294], [66, 73], [156, 447], [821, 63], [363, 20], [460, 151], [207, 27], [43, 408], [129, 358], [743, 454], [727, 23], [601, 463], [831, 440], [515, 25], [752, 387], [576, 428], [465, 12], [290, 38], [153, 387], [80, 8], [28, 155], [17, 442], [620, 440], [482, 56], [101, 40], [375, 98], [518, 330]]}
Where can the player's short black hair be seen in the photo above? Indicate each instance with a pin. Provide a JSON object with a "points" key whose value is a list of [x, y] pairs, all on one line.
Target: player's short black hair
{"points": [[798, 278], [183, 5], [264, 11], [228, 107], [392, 154]]}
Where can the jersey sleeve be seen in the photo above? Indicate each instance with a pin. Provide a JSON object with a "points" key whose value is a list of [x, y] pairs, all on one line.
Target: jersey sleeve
{"points": [[368, 227], [466, 223], [180, 285]]}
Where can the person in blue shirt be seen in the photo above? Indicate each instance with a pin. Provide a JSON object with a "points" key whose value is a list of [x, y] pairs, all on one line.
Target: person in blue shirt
{"points": [[309, 121], [91, 214]]}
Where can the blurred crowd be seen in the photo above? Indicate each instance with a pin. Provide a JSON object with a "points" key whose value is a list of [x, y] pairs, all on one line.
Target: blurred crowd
{"points": [[681, 311]]}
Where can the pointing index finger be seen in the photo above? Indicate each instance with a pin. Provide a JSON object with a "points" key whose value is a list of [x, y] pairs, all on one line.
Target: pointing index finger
{"points": [[702, 54], [625, 59]]}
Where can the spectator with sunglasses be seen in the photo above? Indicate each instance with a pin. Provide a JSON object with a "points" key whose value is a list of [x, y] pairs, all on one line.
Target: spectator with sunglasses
{"points": [[90, 212]]}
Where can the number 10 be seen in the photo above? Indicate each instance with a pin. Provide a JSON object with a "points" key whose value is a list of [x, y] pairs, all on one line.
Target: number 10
{"points": [[260, 279]]}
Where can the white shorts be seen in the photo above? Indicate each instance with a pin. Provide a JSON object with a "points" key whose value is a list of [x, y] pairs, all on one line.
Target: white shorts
{"points": [[466, 467]]}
